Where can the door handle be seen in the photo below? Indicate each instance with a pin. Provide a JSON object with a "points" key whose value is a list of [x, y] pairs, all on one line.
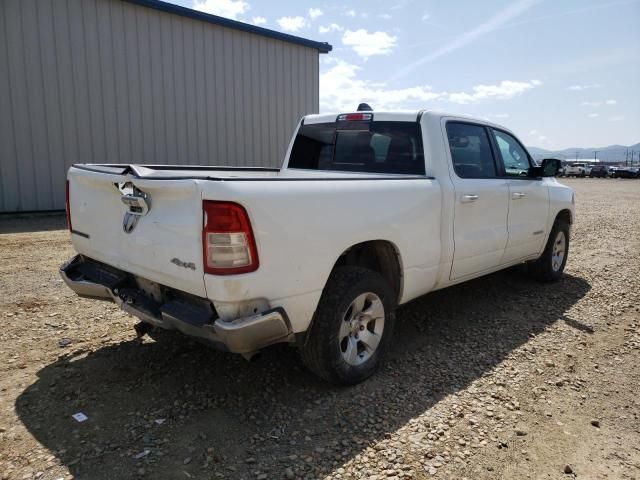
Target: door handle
{"points": [[469, 198], [517, 195]]}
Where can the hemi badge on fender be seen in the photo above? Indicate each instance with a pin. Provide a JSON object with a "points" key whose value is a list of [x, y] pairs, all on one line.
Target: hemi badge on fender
{"points": [[538, 232]]}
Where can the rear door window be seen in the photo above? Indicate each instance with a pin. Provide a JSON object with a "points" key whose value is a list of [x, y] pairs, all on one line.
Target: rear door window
{"points": [[370, 147], [470, 150]]}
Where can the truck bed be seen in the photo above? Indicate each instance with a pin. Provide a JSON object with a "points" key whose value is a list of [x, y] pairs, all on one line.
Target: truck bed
{"points": [[302, 220]]}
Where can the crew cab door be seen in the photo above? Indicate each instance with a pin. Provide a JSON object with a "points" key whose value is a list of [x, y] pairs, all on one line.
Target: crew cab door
{"points": [[481, 200], [528, 199]]}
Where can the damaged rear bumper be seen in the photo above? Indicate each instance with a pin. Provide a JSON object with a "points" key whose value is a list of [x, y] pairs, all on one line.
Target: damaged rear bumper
{"points": [[174, 310]]}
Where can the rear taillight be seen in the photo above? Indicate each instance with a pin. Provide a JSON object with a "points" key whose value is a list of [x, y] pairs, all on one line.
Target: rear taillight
{"points": [[67, 206], [228, 243]]}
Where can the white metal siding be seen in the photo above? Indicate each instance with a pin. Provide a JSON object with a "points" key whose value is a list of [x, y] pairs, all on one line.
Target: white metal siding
{"points": [[105, 81]]}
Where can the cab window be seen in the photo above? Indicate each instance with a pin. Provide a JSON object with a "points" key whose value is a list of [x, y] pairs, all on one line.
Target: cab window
{"points": [[515, 159], [470, 150], [372, 147]]}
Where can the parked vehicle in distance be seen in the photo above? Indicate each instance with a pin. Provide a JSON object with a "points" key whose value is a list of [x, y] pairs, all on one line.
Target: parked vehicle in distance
{"points": [[575, 169], [626, 172], [369, 211], [611, 171], [599, 171]]}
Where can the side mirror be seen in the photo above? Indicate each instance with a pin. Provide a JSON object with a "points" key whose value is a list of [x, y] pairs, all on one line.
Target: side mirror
{"points": [[550, 167]]}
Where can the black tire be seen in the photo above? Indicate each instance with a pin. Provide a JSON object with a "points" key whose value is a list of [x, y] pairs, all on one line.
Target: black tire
{"points": [[321, 350], [543, 268]]}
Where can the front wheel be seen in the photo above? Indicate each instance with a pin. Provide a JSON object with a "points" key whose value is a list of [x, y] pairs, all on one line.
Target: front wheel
{"points": [[550, 266], [352, 326]]}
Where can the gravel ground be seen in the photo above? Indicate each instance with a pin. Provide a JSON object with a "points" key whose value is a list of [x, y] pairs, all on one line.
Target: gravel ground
{"points": [[500, 377]]}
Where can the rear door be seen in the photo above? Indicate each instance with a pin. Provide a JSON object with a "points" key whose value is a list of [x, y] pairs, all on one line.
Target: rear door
{"points": [[528, 199], [481, 200], [161, 241]]}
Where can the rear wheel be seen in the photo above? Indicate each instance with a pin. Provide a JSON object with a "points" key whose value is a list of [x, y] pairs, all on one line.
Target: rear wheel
{"points": [[550, 266], [351, 328]]}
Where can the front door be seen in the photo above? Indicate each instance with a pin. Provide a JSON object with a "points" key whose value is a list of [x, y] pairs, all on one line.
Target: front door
{"points": [[481, 201], [528, 199]]}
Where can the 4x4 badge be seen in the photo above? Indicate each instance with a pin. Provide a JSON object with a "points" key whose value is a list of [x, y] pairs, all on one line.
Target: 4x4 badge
{"points": [[180, 263]]}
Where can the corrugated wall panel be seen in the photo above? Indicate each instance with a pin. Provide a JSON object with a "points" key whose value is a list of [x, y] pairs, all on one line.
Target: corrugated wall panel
{"points": [[18, 94], [9, 197], [200, 94], [156, 88], [53, 108], [107, 81]]}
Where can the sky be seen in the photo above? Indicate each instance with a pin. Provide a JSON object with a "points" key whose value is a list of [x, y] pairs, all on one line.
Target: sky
{"points": [[559, 73]]}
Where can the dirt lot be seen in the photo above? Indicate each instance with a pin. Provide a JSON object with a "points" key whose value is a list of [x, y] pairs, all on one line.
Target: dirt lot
{"points": [[501, 377]]}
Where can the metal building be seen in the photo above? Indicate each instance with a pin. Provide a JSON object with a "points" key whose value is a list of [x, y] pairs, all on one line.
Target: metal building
{"points": [[140, 81]]}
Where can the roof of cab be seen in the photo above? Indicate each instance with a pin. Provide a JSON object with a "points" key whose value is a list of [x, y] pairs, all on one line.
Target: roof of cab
{"points": [[398, 116]]}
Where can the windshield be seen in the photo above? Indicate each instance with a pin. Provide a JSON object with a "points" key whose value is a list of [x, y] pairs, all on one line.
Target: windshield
{"points": [[373, 147]]}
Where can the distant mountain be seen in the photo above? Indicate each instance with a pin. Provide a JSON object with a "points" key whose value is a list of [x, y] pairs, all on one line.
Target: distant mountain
{"points": [[612, 153]]}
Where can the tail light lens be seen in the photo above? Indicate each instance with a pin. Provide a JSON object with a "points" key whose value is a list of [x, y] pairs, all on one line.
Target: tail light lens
{"points": [[227, 239], [67, 206]]}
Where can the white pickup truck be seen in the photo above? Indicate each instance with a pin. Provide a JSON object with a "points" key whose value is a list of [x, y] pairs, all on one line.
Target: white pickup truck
{"points": [[576, 169], [369, 211]]}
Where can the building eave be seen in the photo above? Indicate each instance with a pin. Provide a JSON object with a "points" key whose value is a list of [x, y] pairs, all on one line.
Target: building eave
{"points": [[322, 47]]}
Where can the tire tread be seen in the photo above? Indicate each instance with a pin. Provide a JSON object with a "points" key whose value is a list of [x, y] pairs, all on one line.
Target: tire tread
{"points": [[316, 348], [541, 269]]}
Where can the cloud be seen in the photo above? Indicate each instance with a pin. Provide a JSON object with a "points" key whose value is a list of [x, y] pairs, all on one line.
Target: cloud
{"points": [[538, 136], [425, 17], [597, 104], [593, 115], [616, 118], [292, 24], [384, 16], [342, 90], [579, 88], [315, 13], [350, 13], [400, 5], [368, 44], [258, 20], [510, 12], [224, 8], [505, 89], [333, 27]]}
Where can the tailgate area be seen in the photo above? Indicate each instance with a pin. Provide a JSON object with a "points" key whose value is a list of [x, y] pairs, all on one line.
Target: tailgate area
{"points": [[160, 241]]}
